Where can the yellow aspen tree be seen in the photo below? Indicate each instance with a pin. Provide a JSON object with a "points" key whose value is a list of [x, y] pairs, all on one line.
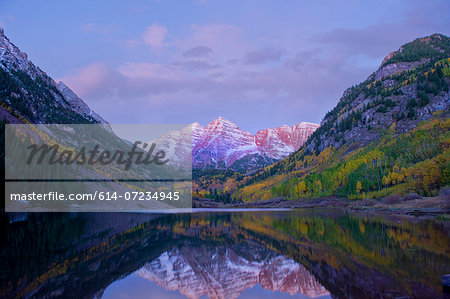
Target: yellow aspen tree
{"points": [[358, 187]]}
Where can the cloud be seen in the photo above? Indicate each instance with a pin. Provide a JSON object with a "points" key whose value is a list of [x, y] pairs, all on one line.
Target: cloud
{"points": [[217, 36], [154, 36], [214, 70], [298, 88], [219, 70], [196, 65], [207, 47], [377, 40], [149, 70], [374, 41], [93, 80], [199, 51], [256, 71], [262, 56], [428, 14]]}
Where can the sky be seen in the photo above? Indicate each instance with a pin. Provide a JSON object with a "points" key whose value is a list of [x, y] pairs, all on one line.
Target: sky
{"points": [[260, 64]]}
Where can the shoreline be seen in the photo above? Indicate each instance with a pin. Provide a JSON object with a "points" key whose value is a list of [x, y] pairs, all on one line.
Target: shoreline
{"points": [[438, 206]]}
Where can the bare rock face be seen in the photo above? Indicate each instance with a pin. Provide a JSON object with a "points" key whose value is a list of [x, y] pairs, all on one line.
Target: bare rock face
{"points": [[279, 142], [221, 272], [77, 104], [222, 144], [12, 58], [393, 68], [197, 132]]}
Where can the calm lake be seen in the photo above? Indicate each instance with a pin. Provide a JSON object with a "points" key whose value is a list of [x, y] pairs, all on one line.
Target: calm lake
{"points": [[247, 254]]}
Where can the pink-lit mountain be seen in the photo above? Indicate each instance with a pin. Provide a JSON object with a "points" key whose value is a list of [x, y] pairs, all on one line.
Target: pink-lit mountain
{"points": [[222, 144], [226, 272]]}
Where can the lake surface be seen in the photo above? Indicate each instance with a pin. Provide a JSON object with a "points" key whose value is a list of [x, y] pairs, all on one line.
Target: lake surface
{"points": [[246, 254]]}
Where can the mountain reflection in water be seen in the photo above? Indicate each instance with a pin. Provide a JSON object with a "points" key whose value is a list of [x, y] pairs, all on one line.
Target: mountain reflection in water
{"points": [[307, 253], [225, 272]]}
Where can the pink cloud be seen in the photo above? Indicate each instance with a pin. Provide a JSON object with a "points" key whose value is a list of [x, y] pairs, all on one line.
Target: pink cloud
{"points": [[154, 36], [135, 70], [90, 79]]}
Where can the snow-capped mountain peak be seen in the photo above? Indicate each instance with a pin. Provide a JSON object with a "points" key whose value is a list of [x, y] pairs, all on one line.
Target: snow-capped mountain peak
{"points": [[222, 144]]}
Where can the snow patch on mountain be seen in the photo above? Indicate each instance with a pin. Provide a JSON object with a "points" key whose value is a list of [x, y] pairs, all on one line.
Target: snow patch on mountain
{"points": [[222, 144]]}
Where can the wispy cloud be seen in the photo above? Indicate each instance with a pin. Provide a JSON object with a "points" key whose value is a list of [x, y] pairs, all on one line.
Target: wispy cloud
{"points": [[154, 36], [199, 51], [196, 65], [262, 56], [377, 40], [94, 80]]}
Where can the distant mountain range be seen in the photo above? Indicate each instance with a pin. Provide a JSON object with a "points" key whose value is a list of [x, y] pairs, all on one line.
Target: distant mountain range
{"points": [[223, 145]]}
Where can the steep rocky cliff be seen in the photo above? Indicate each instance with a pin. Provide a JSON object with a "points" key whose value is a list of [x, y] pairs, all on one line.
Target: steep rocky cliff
{"points": [[28, 93]]}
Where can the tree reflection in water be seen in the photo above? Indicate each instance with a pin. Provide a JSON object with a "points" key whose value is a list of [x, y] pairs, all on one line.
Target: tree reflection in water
{"points": [[219, 254]]}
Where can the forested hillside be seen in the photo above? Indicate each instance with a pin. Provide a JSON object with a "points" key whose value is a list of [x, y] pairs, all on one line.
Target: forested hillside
{"points": [[417, 161]]}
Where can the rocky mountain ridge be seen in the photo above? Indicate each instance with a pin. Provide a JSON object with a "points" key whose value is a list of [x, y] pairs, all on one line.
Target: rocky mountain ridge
{"points": [[223, 145], [409, 86], [29, 93]]}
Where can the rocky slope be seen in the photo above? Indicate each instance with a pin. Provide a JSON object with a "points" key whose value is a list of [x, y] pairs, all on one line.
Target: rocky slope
{"points": [[28, 93], [409, 86], [222, 144], [221, 272]]}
